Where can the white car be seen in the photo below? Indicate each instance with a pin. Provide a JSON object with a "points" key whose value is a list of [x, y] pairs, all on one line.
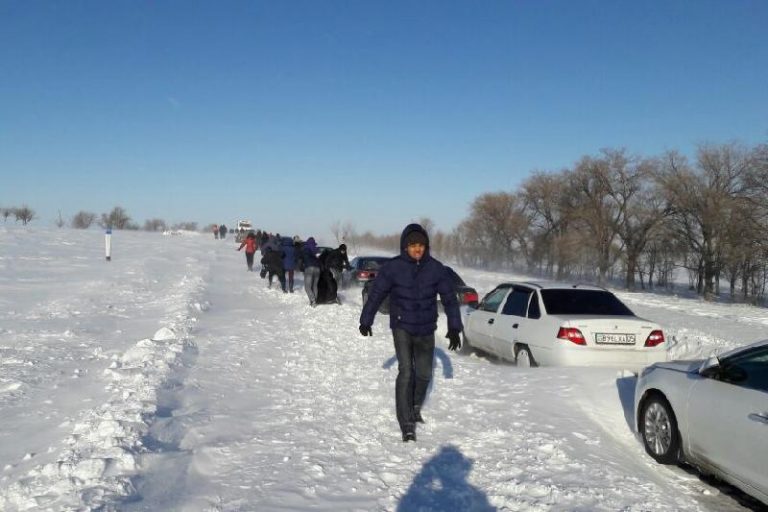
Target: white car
{"points": [[710, 413], [537, 324]]}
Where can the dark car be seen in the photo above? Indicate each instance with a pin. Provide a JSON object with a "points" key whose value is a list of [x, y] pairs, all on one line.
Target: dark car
{"points": [[363, 269], [466, 294]]}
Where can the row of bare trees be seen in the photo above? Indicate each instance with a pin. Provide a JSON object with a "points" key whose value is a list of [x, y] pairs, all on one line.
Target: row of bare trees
{"points": [[618, 217], [117, 218], [23, 214]]}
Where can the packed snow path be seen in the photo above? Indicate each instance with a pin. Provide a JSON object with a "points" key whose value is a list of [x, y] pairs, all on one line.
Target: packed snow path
{"points": [[245, 398]]}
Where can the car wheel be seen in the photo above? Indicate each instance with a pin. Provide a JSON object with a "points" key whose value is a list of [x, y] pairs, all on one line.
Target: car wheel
{"points": [[523, 357], [658, 428]]}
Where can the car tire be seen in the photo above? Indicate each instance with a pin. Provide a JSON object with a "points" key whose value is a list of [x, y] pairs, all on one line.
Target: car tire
{"points": [[658, 429], [523, 357]]}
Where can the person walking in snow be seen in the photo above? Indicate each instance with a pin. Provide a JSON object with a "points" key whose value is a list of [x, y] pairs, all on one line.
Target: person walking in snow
{"points": [[215, 231], [336, 261], [250, 249], [311, 270], [412, 281], [222, 231], [273, 262], [289, 261]]}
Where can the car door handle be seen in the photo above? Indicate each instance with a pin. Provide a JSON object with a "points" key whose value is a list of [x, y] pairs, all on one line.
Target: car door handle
{"points": [[514, 326], [491, 321], [762, 418]]}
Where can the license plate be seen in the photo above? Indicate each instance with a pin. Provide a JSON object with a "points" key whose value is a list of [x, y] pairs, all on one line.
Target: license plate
{"points": [[614, 339]]}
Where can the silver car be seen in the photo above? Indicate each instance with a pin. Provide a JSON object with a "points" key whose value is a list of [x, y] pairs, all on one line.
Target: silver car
{"points": [[710, 413]]}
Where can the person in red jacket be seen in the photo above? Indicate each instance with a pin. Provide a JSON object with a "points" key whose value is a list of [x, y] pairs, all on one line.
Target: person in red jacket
{"points": [[250, 249]]}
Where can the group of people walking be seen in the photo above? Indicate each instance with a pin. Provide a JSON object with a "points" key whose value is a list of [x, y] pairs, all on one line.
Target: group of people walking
{"points": [[220, 232], [412, 281], [282, 256]]}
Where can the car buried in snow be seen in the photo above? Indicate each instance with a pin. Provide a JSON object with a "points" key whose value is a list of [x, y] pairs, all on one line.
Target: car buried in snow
{"points": [[710, 413], [535, 324]]}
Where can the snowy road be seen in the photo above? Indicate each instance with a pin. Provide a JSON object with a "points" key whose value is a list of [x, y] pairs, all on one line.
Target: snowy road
{"points": [[251, 400]]}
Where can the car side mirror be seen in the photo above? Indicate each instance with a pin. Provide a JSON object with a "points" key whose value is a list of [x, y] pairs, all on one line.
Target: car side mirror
{"points": [[710, 367]]}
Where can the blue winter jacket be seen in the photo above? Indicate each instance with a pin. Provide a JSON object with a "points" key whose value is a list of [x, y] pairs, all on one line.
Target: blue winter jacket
{"points": [[413, 287], [289, 261]]}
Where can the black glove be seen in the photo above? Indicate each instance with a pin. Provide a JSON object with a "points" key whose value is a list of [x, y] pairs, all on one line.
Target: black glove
{"points": [[455, 338], [365, 330]]}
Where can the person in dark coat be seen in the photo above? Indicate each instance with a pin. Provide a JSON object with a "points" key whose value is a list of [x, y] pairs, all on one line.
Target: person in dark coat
{"points": [[336, 261], [250, 249], [223, 231], [412, 281], [273, 262], [263, 245], [311, 270], [289, 261], [298, 249]]}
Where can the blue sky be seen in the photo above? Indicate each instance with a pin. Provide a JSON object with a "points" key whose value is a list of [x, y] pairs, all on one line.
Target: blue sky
{"points": [[297, 114]]}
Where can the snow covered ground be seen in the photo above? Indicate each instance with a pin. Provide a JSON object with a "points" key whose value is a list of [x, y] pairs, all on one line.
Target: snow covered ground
{"points": [[172, 379]]}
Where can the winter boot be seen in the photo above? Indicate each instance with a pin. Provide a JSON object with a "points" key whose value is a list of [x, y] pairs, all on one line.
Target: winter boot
{"points": [[417, 414], [409, 433]]}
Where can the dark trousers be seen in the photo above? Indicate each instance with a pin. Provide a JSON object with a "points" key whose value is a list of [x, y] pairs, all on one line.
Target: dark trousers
{"points": [[290, 280], [280, 277], [249, 260], [414, 365]]}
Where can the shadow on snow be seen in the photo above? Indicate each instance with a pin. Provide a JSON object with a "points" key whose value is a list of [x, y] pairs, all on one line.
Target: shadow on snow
{"points": [[442, 485]]}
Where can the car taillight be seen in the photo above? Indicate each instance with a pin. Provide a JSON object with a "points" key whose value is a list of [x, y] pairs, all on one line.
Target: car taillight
{"points": [[655, 338], [469, 297], [362, 273], [571, 334]]}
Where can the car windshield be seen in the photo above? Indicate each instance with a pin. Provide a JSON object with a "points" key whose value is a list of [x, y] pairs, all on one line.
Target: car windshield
{"points": [[372, 263], [583, 302]]}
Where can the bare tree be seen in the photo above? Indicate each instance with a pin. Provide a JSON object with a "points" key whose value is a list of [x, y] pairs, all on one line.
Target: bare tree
{"points": [[343, 232], [642, 208], [593, 205], [116, 219], [6, 212], [25, 214], [497, 223], [155, 225], [60, 222], [705, 200], [543, 194], [83, 220]]}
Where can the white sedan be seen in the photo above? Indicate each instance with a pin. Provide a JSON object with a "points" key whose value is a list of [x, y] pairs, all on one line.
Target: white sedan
{"points": [[710, 413], [536, 324]]}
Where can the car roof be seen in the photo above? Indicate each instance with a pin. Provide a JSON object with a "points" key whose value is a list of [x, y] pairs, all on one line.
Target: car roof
{"points": [[744, 348], [554, 285]]}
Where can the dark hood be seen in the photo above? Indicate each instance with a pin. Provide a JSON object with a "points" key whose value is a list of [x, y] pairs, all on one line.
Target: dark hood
{"points": [[409, 229]]}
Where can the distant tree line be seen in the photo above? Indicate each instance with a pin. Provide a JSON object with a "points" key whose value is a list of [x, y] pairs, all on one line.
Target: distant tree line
{"points": [[630, 219], [117, 218]]}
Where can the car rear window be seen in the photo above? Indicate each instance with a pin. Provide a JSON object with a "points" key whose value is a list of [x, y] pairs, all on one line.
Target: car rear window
{"points": [[583, 302], [372, 264]]}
